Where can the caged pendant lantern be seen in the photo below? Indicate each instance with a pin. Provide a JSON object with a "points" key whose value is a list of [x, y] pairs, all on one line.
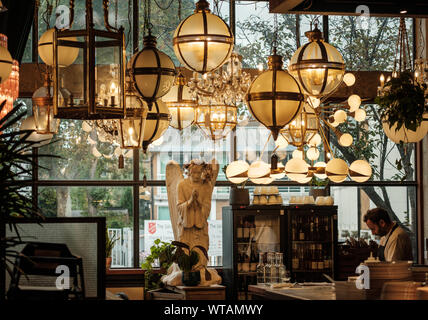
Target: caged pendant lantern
{"points": [[181, 104], [203, 41], [98, 73], [317, 66]]}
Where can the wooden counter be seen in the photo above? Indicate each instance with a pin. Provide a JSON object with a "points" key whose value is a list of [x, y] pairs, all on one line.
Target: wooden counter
{"points": [[263, 292]]}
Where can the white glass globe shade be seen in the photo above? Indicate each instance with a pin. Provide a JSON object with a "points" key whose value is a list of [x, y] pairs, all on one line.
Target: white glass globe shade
{"points": [[304, 180], [334, 124], [157, 122], [296, 169], [346, 140], [360, 115], [349, 79], [66, 55], [297, 154], [281, 142], [258, 169], [336, 170], [340, 116], [320, 164], [405, 135], [314, 102], [237, 168], [360, 171], [354, 102], [30, 124], [313, 153], [315, 140]]}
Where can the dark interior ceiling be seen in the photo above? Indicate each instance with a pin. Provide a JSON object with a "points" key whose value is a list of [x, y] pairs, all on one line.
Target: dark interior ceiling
{"points": [[390, 8]]}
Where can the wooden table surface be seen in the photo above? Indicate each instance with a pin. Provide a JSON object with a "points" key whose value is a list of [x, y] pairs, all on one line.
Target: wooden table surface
{"points": [[301, 293]]}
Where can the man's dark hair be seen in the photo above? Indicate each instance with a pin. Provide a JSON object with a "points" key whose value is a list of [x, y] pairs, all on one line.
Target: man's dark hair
{"points": [[377, 214]]}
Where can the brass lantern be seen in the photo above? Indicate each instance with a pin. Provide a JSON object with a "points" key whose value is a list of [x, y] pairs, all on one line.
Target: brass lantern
{"points": [[216, 120], [43, 109], [274, 98], [132, 126], [152, 71], [181, 104], [301, 130], [157, 122], [203, 41], [96, 78], [317, 65]]}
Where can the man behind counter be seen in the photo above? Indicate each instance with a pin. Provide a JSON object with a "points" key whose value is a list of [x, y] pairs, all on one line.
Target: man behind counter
{"points": [[395, 243]]}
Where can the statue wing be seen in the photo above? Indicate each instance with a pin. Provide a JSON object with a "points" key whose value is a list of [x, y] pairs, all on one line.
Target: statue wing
{"points": [[174, 176]]}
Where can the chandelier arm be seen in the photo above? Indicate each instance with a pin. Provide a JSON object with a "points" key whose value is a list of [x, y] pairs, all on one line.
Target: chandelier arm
{"points": [[321, 129], [106, 23]]}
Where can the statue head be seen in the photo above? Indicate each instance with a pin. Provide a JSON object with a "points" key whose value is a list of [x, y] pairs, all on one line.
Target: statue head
{"points": [[198, 171]]}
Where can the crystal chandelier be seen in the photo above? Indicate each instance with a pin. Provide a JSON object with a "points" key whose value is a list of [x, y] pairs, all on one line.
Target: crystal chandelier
{"points": [[229, 82]]}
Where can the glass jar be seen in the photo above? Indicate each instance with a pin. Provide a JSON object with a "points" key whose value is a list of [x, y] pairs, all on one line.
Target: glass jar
{"points": [[261, 269]]}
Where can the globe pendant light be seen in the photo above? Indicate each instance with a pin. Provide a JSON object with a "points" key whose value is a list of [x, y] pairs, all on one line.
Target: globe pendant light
{"points": [[132, 126], [157, 122], [181, 104], [237, 171], [152, 71], [274, 97], [203, 41], [99, 90], [66, 54], [302, 129], [360, 171], [43, 109], [336, 170], [317, 65]]}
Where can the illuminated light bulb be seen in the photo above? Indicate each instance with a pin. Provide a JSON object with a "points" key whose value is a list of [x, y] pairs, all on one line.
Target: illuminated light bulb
{"points": [[260, 67], [354, 102], [297, 154], [346, 140], [313, 102], [315, 140], [340, 116], [382, 80], [328, 155], [388, 79], [313, 153], [360, 115], [395, 74], [281, 142], [349, 79]]}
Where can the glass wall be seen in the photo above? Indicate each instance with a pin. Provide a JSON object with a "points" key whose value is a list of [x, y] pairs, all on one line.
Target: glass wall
{"points": [[86, 158]]}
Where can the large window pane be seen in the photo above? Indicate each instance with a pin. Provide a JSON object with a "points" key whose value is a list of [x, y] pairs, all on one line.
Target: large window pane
{"points": [[155, 221], [114, 203], [367, 43], [183, 146], [353, 203]]}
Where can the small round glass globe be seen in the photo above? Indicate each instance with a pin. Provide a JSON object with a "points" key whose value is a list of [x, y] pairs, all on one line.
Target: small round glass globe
{"points": [[297, 154], [349, 79], [360, 171], [235, 169], [360, 115], [340, 116], [296, 169], [281, 142], [336, 170], [315, 141], [354, 102], [313, 153], [346, 140]]}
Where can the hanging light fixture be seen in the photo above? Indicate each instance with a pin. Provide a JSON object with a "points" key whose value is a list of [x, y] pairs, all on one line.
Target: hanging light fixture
{"points": [[157, 122], [132, 126], [66, 54], [9, 89], [43, 109], [302, 129], [317, 66], [6, 61], [216, 120], [152, 71], [203, 41], [237, 171], [97, 74], [181, 104]]}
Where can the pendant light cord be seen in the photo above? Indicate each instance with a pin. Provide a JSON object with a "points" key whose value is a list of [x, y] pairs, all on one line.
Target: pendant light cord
{"points": [[275, 34], [147, 12]]}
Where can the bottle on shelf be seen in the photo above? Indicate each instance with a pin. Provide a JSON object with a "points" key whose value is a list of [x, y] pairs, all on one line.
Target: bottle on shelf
{"points": [[294, 257], [261, 269], [320, 257], [301, 230], [268, 268], [314, 262], [283, 275], [274, 275], [293, 229], [246, 231], [311, 229]]}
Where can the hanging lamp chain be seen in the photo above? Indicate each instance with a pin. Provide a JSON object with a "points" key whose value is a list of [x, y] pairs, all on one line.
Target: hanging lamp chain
{"points": [[107, 25], [147, 17], [402, 59], [275, 33]]}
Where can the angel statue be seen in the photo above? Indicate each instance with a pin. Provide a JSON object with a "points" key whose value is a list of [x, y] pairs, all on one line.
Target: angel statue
{"points": [[189, 201]]}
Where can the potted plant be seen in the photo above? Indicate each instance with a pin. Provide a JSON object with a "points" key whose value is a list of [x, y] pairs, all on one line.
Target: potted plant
{"points": [[16, 204], [403, 105], [187, 258], [163, 253], [318, 187], [109, 247]]}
